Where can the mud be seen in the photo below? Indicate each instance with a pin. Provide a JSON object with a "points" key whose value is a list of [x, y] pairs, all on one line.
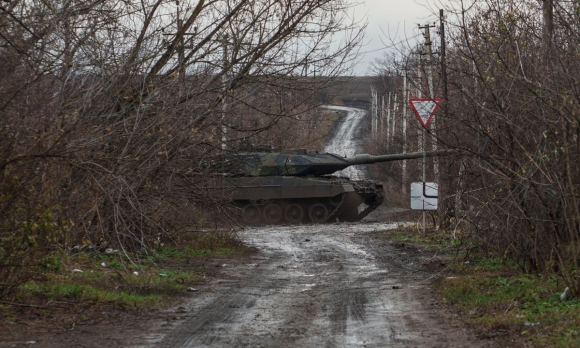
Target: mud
{"points": [[338, 285]]}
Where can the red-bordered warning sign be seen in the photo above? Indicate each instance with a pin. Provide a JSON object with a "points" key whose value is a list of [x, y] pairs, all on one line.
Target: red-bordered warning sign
{"points": [[424, 109]]}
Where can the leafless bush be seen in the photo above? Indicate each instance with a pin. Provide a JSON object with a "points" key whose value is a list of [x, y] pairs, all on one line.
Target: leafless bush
{"points": [[516, 105], [105, 104], [513, 110]]}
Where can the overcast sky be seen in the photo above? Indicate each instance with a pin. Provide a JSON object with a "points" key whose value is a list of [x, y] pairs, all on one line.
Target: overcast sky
{"points": [[391, 20]]}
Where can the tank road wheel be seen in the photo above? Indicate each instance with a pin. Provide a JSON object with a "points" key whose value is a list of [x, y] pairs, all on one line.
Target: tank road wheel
{"points": [[252, 214], [293, 214], [318, 213], [273, 214]]}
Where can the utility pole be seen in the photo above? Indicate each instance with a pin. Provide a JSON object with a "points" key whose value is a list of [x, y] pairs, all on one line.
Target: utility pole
{"points": [[548, 26], [459, 190], [420, 95], [389, 120], [460, 183], [381, 114], [428, 56], [429, 72], [181, 46], [224, 90], [374, 111], [394, 119], [422, 131], [443, 63], [181, 49], [404, 124]]}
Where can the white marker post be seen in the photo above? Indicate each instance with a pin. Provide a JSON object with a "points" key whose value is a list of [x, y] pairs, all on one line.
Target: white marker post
{"points": [[424, 109]]}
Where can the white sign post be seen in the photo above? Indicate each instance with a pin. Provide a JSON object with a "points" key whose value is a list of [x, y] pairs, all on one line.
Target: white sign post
{"points": [[424, 195], [424, 109]]}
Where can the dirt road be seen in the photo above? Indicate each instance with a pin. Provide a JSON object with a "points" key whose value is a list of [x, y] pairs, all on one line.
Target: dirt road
{"points": [[346, 140], [317, 286]]}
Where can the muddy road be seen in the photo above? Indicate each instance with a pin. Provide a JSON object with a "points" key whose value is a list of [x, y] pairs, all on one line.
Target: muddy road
{"points": [[335, 285], [346, 139], [317, 286]]}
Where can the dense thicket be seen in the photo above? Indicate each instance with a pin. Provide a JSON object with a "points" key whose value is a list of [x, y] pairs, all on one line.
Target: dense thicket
{"points": [[513, 110], [104, 103]]}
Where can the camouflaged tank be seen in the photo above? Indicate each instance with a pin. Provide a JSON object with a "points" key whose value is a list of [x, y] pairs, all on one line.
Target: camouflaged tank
{"points": [[297, 187]]}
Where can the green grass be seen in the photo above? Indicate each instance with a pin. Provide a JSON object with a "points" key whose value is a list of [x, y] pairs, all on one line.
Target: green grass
{"points": [[150, 288], [528, 304], [149, 281], [433, 240], [167, 252], [89, 293], [495, 295]]}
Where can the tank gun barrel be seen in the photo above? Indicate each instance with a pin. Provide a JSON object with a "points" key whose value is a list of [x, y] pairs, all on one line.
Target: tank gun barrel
{"points": [[304, 163], [368, 159]]}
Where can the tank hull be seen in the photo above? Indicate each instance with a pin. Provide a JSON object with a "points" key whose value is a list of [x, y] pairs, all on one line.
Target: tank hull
{"points": [[296, 200], [295, 186]]}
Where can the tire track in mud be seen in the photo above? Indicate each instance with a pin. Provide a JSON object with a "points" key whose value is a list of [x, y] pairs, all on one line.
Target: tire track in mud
{"points": [[315, 286], [304, 294]]}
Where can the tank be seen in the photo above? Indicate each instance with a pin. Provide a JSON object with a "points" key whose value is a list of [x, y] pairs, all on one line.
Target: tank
{"points": [[298, 186]]}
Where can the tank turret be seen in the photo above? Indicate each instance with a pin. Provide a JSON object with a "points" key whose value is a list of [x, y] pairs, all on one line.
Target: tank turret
{"points": [[302, 162], [297, 186]]}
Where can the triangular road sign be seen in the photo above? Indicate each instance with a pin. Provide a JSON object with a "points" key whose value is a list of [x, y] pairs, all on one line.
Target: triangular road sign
{"points": [[424, 109]]}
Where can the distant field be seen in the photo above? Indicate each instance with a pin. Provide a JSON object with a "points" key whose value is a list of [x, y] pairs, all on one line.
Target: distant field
{"points": [[352, 90]]}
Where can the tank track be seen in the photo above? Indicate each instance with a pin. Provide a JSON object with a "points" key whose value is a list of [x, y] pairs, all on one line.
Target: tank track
{"points": [[373, 188], [343, 207], [334, 213]]}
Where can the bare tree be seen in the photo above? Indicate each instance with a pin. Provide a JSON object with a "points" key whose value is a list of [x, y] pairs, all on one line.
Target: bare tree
{"points": [[105, 103], [514, 111], [514, 108]]}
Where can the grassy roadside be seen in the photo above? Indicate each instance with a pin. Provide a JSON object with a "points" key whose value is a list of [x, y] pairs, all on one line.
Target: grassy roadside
{"points": [[78, 286], [496, 298]]}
